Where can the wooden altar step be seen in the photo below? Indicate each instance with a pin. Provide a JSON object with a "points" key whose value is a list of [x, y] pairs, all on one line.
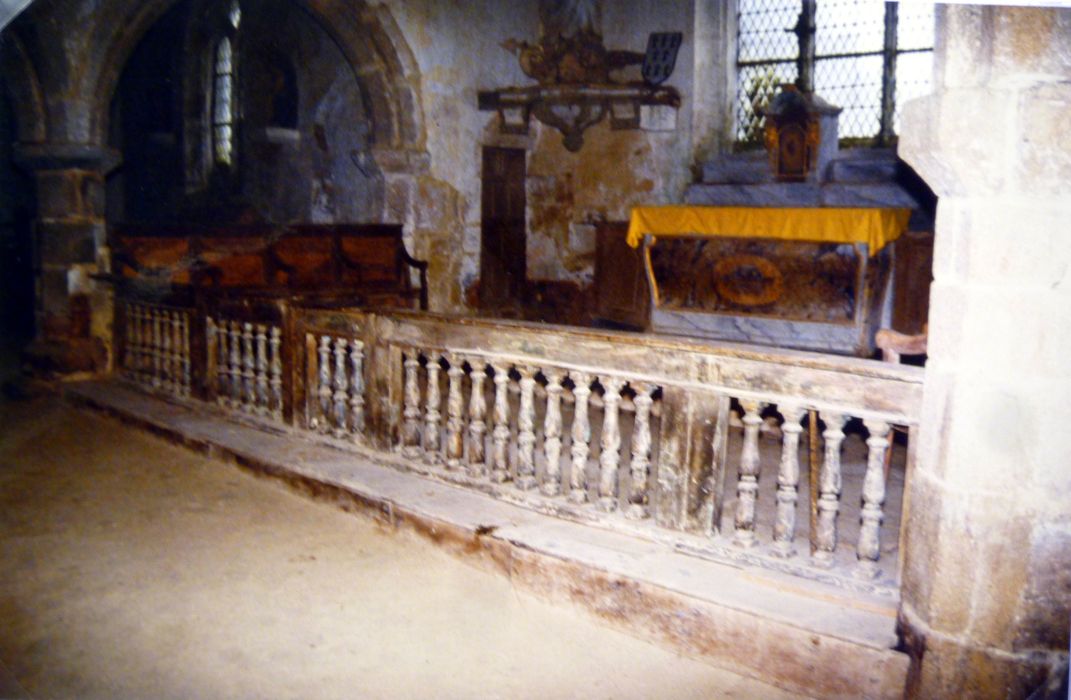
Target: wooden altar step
{"points": [[797, 634]]}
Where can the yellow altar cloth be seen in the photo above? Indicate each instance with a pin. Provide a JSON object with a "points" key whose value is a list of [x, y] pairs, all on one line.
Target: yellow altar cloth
{"points": [[873, 226]]}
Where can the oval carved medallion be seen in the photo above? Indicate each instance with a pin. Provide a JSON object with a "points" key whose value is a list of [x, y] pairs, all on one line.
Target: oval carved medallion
{"points": [[748, 280]]}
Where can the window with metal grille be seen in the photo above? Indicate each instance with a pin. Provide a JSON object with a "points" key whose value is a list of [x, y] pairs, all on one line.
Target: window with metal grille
{"points": [[863, 56], [223, 91]]}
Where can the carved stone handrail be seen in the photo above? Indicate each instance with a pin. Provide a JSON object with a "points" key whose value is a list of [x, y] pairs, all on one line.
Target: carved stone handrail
{"points": [[628, 431]]}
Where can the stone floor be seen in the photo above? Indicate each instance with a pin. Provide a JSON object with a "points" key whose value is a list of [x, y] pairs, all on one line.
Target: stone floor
{"points": [[827, 640], [136, 569]]}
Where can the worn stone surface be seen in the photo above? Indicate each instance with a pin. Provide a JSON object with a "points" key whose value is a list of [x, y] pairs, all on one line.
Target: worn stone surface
{"points": [[698, 608], [976, 618], [148, 571], [410, 71]]}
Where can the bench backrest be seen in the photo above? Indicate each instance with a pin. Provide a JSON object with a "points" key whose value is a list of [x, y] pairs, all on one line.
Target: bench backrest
{"points": [[335, 261]]}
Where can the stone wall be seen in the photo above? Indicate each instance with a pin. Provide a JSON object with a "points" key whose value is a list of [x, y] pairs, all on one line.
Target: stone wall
{"points": [[302, 144], [566, 191], [419, 61], [987, 577]]}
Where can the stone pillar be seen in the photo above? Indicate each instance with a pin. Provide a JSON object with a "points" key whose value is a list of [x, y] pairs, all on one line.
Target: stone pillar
{"points": [[72, 312], [986, 590]]}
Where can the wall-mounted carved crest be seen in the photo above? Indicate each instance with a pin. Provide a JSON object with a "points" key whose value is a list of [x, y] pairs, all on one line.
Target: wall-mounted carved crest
{"points": [[575, 72]]}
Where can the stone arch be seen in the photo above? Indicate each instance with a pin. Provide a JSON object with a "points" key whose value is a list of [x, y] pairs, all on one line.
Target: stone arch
{"points": [[368, 37], [21, 79]]}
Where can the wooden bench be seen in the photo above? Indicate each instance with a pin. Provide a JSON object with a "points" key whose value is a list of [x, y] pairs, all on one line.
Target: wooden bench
{"points": [[343, 264]]}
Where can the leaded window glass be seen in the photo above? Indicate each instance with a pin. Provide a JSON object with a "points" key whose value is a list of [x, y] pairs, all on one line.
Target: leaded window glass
{"points": [[855, 42], [224, 109]]}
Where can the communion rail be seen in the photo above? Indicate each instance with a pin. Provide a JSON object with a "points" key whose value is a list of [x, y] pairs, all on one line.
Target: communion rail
{"points": [[654, 436]]}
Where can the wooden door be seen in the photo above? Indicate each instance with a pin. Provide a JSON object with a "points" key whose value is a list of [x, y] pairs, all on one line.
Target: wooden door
{"points": [[502, 256]]}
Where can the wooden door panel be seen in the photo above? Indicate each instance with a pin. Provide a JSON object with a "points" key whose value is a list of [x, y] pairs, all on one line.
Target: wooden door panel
{"points": [[502, 260]]}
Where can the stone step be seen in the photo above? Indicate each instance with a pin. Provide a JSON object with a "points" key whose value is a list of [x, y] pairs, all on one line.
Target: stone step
{"points": [[800, 194], [857, 166], [802, 635], [864, 168]]}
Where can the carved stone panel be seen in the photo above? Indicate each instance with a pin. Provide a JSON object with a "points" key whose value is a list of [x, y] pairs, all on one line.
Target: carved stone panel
{"points": [[786, 279]]}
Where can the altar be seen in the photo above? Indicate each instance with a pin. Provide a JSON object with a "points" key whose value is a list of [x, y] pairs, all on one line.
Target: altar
{"points": [[813, 278]]}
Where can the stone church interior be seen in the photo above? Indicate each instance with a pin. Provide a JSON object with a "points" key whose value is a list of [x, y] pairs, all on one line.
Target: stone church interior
{"points": [[740, 324]]}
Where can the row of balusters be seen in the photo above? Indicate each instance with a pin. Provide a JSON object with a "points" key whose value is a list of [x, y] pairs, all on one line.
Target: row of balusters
{"points": [[248, 366], [249, 377], [829, 485], [157, 347], [464, 446], [339, 393], [422, 433]]}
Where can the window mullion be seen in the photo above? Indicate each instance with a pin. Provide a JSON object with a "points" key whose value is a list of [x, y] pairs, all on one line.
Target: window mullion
{"points": [[888, 76], [805, 30]]}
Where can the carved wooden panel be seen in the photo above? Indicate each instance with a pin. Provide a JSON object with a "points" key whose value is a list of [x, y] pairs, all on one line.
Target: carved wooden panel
{"points": [[621, 290], [911, 281]]}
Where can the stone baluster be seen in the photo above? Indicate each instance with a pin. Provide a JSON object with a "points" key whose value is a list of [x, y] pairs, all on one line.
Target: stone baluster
{"points": [[150, 346], [218, 350], [552, 433], [152, 341], [455, 434], [411, 410], [357, 389], [640, 465], [829, 481], [432, 415], [788, 479], [157, 345], [249, 365], [140, 341], [235, 367], [275, 365], [186, 376], [477, 412], [176, 352], [129, 346], [341, 387], [581, 437], [144, 358], [500, 434], [138, 345], [211, 349], [262, 369], [152, 334], [868, 550], [323, 390], [147, 348], [166, 375], [223, 364], [133, 343], [610, 452], [526, 431], [748, 484], [222, 361]]}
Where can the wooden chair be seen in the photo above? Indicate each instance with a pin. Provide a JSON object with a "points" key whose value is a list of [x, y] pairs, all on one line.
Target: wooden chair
{"points": [[893, 344]]}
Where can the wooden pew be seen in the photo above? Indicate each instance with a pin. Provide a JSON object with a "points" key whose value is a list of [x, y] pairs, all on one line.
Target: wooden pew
{"points": [[336, 264]]}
